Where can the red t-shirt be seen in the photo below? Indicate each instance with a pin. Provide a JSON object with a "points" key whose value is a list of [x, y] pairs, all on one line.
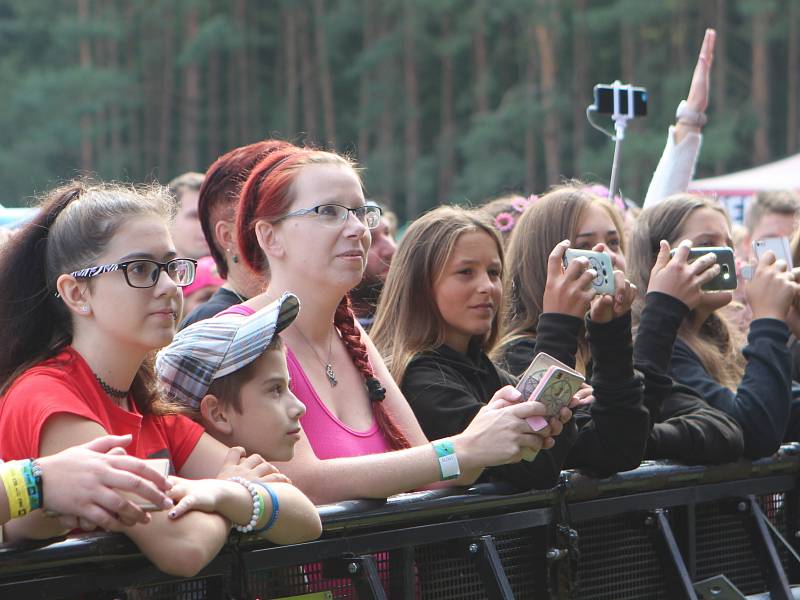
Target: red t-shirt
{"points": [[66, 384]]}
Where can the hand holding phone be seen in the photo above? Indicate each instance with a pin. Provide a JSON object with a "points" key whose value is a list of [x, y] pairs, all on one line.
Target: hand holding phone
{"points": [[542, 368], [600, 263], [726, 277]]}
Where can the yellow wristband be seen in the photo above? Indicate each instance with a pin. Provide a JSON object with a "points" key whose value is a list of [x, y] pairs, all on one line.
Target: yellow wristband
{"points": [[19, 503]]}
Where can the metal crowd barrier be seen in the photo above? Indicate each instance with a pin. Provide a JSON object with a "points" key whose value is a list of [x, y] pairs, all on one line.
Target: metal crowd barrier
{"points": [[648, 533]]}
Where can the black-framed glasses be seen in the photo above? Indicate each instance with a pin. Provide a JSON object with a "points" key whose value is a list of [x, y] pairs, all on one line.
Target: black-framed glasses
{"points": [[333, 215], [144, 273]]}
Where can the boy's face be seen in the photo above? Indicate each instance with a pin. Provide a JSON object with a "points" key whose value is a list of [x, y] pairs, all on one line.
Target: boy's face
{"points": [[269, 423]]}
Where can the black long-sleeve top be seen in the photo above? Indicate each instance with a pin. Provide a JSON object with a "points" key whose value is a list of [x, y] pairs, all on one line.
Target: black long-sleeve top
{"points": [[613, 431], [762, 404], [447, 388], [685, 426]]}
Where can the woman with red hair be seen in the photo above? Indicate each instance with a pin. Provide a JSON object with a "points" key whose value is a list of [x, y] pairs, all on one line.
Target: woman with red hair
{"points": [[302, 213]]}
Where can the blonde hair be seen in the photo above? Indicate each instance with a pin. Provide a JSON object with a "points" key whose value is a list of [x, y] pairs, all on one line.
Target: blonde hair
{"points": [[717, 344], [549, 220], [408, 321]]}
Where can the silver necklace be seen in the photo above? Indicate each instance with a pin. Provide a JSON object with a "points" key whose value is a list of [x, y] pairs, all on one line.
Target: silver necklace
{"points": [[329, 372]]}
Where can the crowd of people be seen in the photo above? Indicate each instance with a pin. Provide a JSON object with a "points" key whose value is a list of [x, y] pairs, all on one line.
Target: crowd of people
{"points": [[262, 328]]}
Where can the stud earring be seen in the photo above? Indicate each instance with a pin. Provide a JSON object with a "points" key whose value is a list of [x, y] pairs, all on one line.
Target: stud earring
{"points": [[84, 308]]}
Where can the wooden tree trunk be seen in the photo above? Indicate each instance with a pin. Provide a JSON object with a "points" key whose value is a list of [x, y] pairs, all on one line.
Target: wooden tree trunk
{"points": [[720, 74], [365, 81], [323, 67], [386, 130], [115, 114], [447, 156], [758, 87], [310, 118], [292, 82], [791, 80], [190, 105], [136, 124], [627, 52], [552, 122], [243, 72], [581, 87], [531, 155], [213, 91], [411, 136], [481, 60], [85, 58], [167, 85]]}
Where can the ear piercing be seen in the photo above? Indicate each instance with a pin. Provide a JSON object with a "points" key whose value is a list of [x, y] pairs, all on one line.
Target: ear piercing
{"points": [[84, 308], [233, 256]]}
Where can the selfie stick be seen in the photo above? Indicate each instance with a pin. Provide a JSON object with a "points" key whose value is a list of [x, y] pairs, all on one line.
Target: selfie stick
{"points": [[620, 122]]}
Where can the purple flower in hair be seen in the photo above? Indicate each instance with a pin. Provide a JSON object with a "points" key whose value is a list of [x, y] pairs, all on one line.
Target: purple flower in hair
{"points": [[504, 222]]}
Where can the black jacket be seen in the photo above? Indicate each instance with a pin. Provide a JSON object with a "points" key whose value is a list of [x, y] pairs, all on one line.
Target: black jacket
{"points": [[613, 431], [685, 426], [221, 300], [762, 404], [446, 389]]}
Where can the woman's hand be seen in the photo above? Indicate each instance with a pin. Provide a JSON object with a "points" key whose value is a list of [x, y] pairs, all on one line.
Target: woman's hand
{"points": [[236, 464], [583, 397], [675, 276], [84, 483], [697, 100], [205, 495], [773, 288], [605, 307], [567, 291], [500, 435]]}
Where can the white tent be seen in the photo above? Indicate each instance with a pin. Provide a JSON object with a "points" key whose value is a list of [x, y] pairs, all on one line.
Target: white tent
{"points": [[735, 190]]}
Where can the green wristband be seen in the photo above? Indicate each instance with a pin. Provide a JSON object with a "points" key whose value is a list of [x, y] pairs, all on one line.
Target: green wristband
{"points": [[448, 461]]}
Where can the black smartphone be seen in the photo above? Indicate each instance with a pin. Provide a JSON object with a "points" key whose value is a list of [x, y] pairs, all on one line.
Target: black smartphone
{"points": [[604, 100], [726, 278]]}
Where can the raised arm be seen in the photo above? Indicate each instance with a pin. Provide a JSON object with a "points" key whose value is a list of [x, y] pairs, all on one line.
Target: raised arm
{"points": [[676, 167]]}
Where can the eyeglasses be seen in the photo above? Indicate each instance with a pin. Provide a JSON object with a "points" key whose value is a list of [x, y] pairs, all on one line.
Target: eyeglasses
{"points": [[333, 215], [144, 273]]}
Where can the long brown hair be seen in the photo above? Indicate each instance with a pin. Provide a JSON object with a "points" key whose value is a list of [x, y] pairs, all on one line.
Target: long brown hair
{"points": [[717, 344], [408, 321], [70, 231], [267, 195], [549, 220]]}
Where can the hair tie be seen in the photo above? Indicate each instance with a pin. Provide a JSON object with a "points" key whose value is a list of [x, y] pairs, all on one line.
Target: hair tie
{"points": [[375, 390]]}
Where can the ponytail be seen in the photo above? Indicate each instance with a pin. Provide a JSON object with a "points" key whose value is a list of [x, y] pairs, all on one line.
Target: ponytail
{"points": [[34, 323], [344, 321]]}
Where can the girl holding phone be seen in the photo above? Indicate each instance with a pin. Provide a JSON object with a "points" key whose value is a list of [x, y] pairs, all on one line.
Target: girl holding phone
{"points": [[87, 291], [752, 382], [681, 426]]}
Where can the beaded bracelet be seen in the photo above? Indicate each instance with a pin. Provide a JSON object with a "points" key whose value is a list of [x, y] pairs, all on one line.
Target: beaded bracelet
{"points": [[258, 504], [275, 506]]}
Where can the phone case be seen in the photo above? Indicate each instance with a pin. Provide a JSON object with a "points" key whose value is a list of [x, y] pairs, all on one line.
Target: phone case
{"points": [[533, 374], [555, 390], [779, 245], [726, 280], [603, 283]]}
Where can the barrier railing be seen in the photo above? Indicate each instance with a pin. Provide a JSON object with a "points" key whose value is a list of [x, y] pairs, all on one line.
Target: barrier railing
{"points": [[648, 533]]}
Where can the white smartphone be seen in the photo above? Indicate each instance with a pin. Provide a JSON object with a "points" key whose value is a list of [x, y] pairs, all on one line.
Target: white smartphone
{"points": [[779, 245], [603, 282], [162, 466]]}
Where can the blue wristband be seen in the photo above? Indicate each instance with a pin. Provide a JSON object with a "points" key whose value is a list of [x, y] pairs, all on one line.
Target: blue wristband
{"points": [[275, 506]]}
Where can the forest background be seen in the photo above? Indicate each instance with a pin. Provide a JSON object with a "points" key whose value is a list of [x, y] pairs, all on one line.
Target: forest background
{"points": [[440, 101]]}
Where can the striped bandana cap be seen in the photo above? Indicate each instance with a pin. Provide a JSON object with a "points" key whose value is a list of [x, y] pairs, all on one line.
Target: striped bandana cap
{"points": [[213, 348]]}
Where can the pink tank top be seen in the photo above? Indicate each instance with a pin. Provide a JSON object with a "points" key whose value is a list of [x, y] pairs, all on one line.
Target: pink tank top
{"points": [[328, 436]]}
